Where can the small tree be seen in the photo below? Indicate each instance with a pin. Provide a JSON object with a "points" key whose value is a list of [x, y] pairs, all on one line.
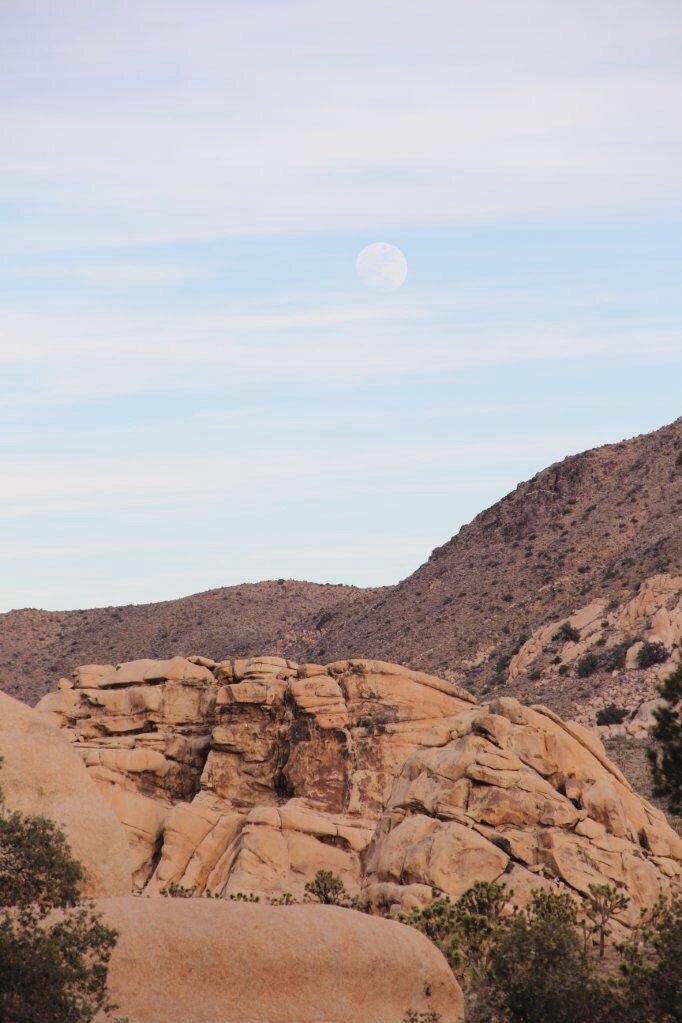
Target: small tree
{"points": [[666, 760], [465, 931], [328, 889], [53, 966], [540, 973], [601, 906]]}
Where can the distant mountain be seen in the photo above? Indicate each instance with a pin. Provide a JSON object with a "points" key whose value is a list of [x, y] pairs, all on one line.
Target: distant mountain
{"points": [[592, 526], [282, 617]]}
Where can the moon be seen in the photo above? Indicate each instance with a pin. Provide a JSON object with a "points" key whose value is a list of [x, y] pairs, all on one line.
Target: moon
{"points": [[381, 267]]}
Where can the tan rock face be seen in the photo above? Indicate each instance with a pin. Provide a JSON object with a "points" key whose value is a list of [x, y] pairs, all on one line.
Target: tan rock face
{"points": [[41, 774], [203, 961], [519, 789], [251, 775]]}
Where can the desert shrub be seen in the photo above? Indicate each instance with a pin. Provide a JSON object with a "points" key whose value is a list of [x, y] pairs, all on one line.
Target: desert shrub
{"points": [[666, 755], [179, 891], [611, 715], [651, 966], [650, 654], [587, 665], [539, 972], [678, 460], [285, 899], [464, 930], [614, 658], [328, 889], [563, 669], [566, 633], [535, 965], [53, 965]]}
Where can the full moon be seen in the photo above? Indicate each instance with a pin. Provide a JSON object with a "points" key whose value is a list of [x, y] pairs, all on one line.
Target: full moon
{"points": [[381, 266]]}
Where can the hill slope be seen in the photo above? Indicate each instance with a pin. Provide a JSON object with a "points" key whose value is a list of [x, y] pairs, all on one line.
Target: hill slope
{"points": [[36, 647], [594, 525]]}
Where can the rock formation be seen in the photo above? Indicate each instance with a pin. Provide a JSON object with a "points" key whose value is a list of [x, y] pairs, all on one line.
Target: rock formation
{"points": [[40, 774], [202, 961], [603, 642], [250, 775]]}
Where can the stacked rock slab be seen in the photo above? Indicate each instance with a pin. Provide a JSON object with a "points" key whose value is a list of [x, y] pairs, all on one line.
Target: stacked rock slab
{"points": [[250, 775]]}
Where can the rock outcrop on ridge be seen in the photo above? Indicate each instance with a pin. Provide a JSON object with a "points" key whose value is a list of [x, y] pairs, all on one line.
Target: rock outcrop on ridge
{"points": [[203, 961], [40, 774], [595, 657], [250, 775]]}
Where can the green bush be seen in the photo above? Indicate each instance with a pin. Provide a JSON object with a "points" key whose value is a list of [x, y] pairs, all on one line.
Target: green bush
{"points": [[566, 633], [328, 889], [650, 654], [611, 715], [53, 965], [587, 665], [614, 657], [536, 965]]}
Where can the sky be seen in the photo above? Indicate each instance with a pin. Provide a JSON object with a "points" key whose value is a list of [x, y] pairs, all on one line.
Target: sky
{"points": [[195, 388]]}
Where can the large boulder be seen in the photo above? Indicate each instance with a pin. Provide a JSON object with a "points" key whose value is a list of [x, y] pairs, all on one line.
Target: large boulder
{"points": [[207, 961], [41, 774], [518, 796]]}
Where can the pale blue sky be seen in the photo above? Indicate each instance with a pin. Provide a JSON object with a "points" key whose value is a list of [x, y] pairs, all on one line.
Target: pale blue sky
{"points": [[194, 388]]}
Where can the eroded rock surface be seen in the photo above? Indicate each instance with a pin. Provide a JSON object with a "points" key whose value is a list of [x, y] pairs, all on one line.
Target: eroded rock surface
{"points": [[203, 961], [250, 775], [41, 774]]}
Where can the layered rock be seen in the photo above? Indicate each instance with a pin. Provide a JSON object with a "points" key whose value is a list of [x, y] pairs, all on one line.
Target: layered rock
{"points": [[516, 796], [299, 964], [250, 775], [40, 774]]}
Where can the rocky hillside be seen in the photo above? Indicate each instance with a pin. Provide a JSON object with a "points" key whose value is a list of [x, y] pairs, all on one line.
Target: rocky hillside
{"points": [[248, 776], [593, 527], [281, 616]]}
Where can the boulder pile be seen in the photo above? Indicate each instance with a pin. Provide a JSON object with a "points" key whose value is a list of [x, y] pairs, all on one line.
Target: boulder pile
{"points": [[248, 776]]}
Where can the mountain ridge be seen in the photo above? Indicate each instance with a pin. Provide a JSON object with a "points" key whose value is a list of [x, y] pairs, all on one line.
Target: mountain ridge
{"points": [[594, 524]]}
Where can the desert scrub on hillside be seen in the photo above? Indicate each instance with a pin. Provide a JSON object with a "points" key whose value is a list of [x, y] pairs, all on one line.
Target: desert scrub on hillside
{"points": [[611, 715], [566, 633], [54, 949], [650, 654], [587, 665], [537, 964]]}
